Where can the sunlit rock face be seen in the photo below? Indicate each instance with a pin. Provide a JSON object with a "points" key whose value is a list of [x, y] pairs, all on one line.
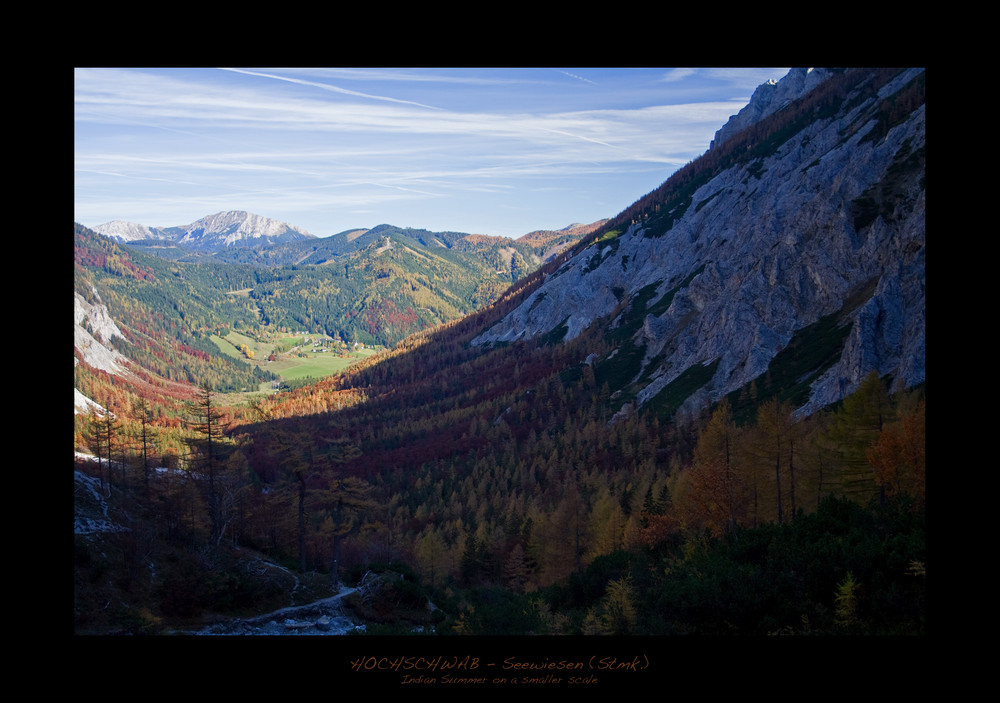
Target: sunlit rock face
{"points": [[830, 221]]}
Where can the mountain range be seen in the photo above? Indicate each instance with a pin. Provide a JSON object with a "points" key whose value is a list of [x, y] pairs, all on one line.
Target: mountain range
{"points": [[211, 233], [804, 221], [238, 236], [243, 271], [702, 415], [805, 217]]}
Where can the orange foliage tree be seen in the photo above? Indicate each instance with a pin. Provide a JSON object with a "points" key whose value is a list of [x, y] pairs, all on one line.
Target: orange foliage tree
{"points": [[899, 455], [712, 494]]}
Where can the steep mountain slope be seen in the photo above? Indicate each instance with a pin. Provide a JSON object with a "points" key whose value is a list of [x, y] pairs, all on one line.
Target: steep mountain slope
{"points": [[148, 321], [803, 232]]}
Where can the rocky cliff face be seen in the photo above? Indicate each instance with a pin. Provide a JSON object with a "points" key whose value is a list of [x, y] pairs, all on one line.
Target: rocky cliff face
{"points": [[771, 97], [823, 221], [93, 330]]}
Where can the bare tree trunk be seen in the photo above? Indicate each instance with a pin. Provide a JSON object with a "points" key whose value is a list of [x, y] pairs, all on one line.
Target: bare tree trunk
{"points": [[302, 521]]}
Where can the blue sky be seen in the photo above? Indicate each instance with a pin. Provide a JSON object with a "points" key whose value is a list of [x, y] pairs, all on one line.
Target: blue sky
{"points": [[500, 151]]}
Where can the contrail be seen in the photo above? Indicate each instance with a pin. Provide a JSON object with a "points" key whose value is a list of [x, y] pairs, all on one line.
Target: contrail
{"points": [[331, 88], [579, 78]]}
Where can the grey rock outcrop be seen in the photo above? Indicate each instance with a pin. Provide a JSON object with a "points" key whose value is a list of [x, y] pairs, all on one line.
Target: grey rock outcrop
{"points": [[769, 98], [93, 330], [831, 221]]}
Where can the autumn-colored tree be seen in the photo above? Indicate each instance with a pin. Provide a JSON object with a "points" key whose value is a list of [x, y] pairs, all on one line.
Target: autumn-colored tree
{"points": [[818, 457], [431, 554], [619, 607], [515, 569], [607, 523], [100, 431], [855, 426], [659, 529], [899, 455], [775, 445], [295, 456], [143, 410], [345, 503], [559, 537], [209, 450], [712, 494], [615, 614], [846, 601]]}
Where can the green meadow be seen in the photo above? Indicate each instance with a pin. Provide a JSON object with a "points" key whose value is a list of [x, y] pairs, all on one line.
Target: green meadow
{"points": [[296, 357], [315, 365]]}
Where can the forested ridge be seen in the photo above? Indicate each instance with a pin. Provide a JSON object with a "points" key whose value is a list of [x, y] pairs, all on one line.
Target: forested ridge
{"points": [[167, 313], [376, 289]]}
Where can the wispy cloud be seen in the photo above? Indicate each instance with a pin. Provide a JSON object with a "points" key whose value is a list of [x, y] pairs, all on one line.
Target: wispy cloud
{"points": [[315, 147]]}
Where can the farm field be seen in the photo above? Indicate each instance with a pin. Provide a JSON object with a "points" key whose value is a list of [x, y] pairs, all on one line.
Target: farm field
{"points": [[292, 357], [317, 365]]}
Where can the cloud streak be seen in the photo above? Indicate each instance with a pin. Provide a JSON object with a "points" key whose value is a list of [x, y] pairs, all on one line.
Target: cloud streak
{"points": [[331, 88], [318, 148]]}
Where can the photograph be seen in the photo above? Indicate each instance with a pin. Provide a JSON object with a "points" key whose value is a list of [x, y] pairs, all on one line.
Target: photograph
{"points": [[503, 377]]}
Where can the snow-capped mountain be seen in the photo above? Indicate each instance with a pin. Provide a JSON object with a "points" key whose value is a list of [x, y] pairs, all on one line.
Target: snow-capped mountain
{"points": [[131, 231], [211, 233], [236, 228]]}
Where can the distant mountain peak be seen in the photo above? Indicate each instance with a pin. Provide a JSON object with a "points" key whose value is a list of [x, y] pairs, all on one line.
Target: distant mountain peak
{"points": [[770, 97], [212, 232], [233, 227]]}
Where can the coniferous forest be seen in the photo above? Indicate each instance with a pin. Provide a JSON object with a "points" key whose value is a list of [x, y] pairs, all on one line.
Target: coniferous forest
{"points": [[495, 485]]}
